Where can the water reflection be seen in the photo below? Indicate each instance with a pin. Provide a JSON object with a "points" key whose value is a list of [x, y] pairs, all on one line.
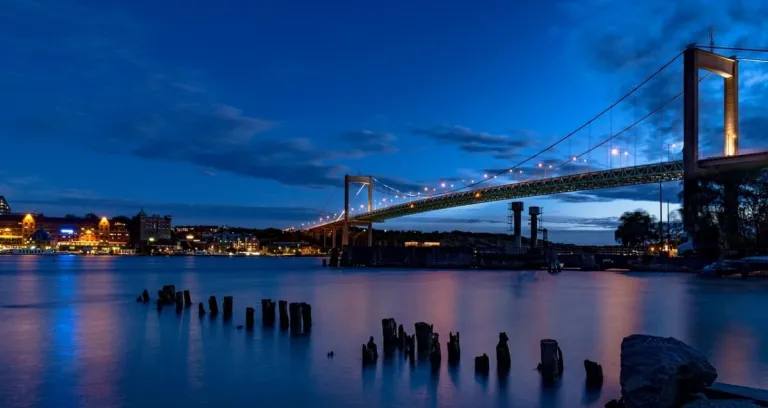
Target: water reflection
{"points": [[73, 335]]}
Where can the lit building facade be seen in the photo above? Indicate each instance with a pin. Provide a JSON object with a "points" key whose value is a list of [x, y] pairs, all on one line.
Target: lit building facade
{"points": [[17, 230], [5, 208], [152, 228], [238, 242]]}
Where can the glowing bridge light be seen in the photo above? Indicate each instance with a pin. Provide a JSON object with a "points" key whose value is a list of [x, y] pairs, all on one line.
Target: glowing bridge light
{"points": [[574, 158], [485, 176], [426, 188], [614, 151], [541, 165], [451, 185], [442, 185], [550, 166], [477, 195], [626, 153]]}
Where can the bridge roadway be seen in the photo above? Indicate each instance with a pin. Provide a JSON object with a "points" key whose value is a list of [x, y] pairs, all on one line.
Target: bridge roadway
{"points": [[626, 176]]}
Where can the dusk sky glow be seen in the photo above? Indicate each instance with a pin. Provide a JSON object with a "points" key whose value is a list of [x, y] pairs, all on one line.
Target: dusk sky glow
{"points": [[250, 113]]}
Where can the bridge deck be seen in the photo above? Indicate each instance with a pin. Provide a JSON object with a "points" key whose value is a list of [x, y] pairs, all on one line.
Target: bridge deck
{"points": [[649, 173]]}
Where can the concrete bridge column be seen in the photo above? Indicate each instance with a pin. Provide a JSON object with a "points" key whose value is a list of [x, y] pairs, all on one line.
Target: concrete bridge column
{"points": [[728, 68], [370, 234], [517, 208], [534, 213], [333, 237], [731, 209]]}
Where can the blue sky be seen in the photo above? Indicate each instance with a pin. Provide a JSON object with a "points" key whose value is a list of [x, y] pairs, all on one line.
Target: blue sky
{"points": [[250, 113]]}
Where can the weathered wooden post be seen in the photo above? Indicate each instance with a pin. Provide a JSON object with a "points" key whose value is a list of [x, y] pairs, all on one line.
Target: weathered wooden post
{"points": [[294, 309], [551, 358], [162, 298], [213, 305], [482, 364], [179, 302], [435, 355], [145, 296], [334, 262], [170, 293], [200, 309], [370, 352], [423, 337], [503, 359], [306, 317], [249, 311], [454, 349], [389, 334], [401, 336], [187, 298], [267, 312], [594, 374], [283, 307], [325, 263], [228, 305]]}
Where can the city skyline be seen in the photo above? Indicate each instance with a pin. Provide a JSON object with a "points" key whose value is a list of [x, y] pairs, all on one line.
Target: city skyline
{"points": [[251, 115]]}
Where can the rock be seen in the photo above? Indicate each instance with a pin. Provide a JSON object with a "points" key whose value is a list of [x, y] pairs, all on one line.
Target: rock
{"points": [[659, 372], [594, 374]]}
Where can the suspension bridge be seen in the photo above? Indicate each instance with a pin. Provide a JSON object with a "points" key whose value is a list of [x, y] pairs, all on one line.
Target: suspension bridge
{"points": [[688, 170]]}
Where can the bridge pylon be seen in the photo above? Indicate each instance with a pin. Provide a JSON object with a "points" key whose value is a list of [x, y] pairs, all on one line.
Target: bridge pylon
{"points": [[695, 59], [367, 181]]}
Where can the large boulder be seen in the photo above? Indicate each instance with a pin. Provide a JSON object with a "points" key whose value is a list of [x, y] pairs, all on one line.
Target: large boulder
{"points": [[659, 372]]}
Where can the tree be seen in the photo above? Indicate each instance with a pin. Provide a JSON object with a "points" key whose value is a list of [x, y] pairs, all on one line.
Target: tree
{"points": [[91, 216], [70, 216], [636, 229]]}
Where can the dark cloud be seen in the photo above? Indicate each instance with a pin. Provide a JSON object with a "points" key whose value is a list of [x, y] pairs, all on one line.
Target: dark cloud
{"points": [[470, 141], [369, 142]]}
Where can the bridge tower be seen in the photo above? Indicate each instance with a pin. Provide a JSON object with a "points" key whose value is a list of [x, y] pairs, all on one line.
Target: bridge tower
{"points": [[368, 183], [695, 59]]}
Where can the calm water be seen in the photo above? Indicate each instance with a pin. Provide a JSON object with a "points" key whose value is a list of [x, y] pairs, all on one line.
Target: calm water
{"points": [[71, 334]]}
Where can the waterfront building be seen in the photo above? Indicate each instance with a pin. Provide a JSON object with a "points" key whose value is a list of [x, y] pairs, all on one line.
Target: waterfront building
{"points": [[5, 208], [422, 244], [290, 248], [239, 242], [152, 228], [66, 233]]}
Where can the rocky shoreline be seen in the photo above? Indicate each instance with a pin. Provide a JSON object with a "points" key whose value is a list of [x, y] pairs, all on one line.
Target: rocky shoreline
{"points": [[659, 372]]}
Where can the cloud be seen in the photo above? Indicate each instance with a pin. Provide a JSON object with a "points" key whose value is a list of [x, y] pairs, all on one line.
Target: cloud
{"points": [[122, 102], [370, 142], [631, 41], [470, 141]]}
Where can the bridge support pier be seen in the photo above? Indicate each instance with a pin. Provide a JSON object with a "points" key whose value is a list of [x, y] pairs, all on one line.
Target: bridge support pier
{"points": [[366, 181], [370, 234], [731, 209], [534, 213], [333, 237], [517, 208], [728, 68]]}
